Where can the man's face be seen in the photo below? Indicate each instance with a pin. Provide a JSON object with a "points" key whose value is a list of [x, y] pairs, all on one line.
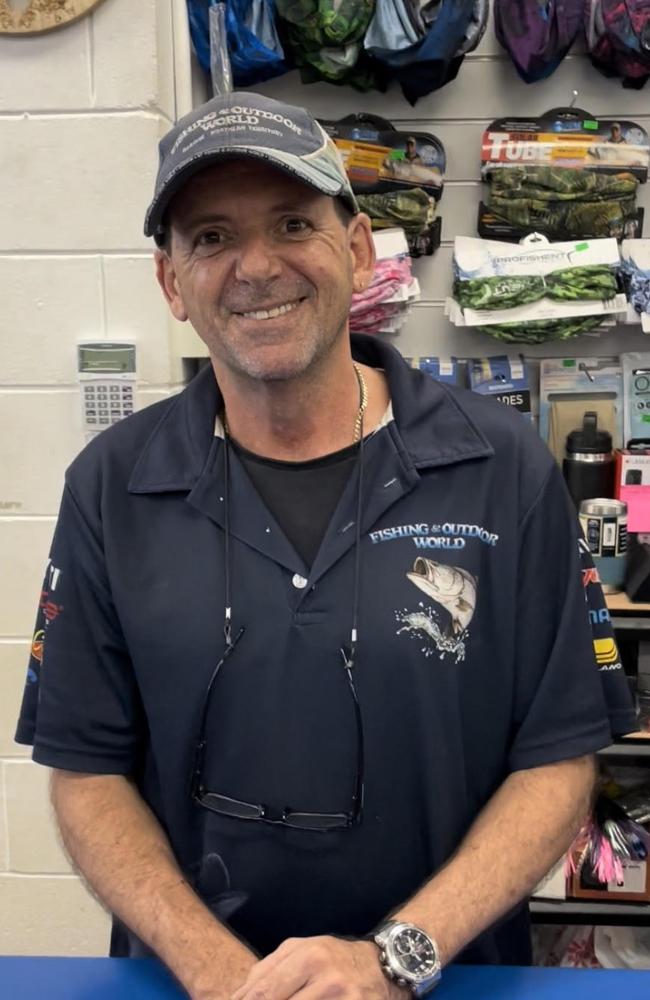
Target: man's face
{"points": [[263, 267]]}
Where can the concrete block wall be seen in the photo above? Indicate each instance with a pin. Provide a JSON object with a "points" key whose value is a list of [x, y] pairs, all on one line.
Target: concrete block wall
{"points": [[81, 111]]}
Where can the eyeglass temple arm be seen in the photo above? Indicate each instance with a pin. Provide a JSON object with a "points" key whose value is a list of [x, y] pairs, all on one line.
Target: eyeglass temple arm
{"points": [[199, 754], [348, 664]]}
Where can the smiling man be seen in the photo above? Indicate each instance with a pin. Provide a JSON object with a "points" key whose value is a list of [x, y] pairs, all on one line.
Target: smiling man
{"points": [[294, 756]]}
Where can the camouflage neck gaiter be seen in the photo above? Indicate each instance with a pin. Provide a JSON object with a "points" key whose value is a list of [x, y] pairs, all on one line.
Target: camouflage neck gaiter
{"points": [[570, 284], [540, 331], [412, 209], [563, 203]]}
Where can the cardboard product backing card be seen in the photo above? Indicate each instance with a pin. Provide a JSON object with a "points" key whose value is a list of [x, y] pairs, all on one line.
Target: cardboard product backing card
{"points": [[632, 485], [441, 369], [636, 397], [476, 258], [569, 138], [634, 887], [565, 138], [378, 158], [503, 378], [569, 387]]}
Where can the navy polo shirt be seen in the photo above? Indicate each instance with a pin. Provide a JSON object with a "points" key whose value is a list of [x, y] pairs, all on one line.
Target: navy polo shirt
{"points": [[475, 652]]}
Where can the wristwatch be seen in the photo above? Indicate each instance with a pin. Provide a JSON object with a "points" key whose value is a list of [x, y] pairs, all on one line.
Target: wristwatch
{"points": [[408, 956]]}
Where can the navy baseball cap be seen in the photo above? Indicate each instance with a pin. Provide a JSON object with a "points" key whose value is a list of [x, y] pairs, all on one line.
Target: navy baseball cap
{"points": [[251, 125]]}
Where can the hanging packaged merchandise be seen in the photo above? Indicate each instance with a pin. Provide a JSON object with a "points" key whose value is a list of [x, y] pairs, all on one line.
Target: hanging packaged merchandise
{"points": [[325, 38], [396, 176], [254, 47], [618, 39], [503, 378], [384, 305], [636, 398], [537, 35], [635, 268], [423, 45], [609, 855], [412, 209], [563, 203], [535, 292], [565, 175], [391, 29], [571, 387], [445, 370]]}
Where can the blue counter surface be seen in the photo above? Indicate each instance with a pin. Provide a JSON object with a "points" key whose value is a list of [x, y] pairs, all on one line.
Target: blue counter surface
{"points": [[144, 979]]}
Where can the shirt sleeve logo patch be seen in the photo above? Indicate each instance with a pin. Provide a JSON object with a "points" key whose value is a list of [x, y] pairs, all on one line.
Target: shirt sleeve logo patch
{"points": [[454, 590], [48, 611], [37, 645], [606, 651]]}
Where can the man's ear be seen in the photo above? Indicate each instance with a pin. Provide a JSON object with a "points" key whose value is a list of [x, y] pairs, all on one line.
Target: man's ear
{"points": [[168, 282], [362, 248]]}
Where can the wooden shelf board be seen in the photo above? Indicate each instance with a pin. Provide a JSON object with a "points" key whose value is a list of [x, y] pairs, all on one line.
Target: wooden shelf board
{"points": [[621, 602]]}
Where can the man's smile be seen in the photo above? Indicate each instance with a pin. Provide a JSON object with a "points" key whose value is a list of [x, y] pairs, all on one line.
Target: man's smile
{"points": [[271, 313]]}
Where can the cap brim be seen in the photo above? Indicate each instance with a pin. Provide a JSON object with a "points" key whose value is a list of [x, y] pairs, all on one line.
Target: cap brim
{"points": [[291, 165]]}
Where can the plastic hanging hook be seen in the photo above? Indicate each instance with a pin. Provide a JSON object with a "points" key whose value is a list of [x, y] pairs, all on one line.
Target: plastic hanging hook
{"points": [[534, 237], [574, 98]]}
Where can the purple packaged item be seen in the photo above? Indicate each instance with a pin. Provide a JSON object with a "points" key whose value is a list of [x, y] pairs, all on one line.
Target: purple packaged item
{"points": [[618, 38], [537, 34]]}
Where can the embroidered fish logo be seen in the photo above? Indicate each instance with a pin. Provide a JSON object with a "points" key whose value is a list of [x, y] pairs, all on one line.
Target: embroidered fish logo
{"points": [[449, 586]]}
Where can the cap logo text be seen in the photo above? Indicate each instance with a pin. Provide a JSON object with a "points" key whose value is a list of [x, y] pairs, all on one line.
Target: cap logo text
{"points": [[233, 116]]}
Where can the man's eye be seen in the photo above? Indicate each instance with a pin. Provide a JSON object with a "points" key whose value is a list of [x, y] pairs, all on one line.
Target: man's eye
{"points": [[210, 238], [295, 225]]}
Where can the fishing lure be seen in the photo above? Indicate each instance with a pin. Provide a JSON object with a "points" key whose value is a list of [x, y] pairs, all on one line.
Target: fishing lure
{"points": [[608, 839]]}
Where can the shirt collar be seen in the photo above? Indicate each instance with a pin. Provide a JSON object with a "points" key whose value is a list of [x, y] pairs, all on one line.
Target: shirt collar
{"points": [[431, 422]]}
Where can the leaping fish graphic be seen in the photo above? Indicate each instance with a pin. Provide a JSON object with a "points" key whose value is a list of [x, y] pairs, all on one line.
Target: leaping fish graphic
{"points": [[450, 586]]}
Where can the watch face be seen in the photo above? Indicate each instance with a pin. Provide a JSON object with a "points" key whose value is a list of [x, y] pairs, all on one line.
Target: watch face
{"points": [[414, 952]]}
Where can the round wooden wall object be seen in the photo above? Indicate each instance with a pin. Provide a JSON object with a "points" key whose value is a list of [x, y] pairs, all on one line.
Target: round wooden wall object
{"points": [[30, 17]]}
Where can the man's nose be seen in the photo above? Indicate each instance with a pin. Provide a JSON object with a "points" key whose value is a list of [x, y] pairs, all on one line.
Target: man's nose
{"points": [[257, 259]]}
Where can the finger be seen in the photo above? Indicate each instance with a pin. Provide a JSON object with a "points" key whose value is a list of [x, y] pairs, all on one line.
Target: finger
{"points": [[320, 990], [267, 965], [285, 980], [282, 975]]}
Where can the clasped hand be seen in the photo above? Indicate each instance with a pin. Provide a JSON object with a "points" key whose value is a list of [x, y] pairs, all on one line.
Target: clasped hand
{"points": [[317, 968]]}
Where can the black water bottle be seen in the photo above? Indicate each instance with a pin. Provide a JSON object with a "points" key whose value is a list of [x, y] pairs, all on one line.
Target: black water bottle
{"points": [[589, 467]]}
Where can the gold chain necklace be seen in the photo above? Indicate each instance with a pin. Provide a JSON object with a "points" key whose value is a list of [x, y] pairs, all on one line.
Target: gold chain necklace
{"points": [[363, 403]]}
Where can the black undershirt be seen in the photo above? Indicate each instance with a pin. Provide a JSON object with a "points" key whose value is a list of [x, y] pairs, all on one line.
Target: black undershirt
{"points": [[300, 495]]}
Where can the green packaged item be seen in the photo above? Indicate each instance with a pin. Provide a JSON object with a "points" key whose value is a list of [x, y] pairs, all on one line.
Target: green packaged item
{"points": [[328, 22], [411, 209], [560, 184], [396, 176], [561, 202], [325, 38], [539, 331], [565, 174], [594, 281]]}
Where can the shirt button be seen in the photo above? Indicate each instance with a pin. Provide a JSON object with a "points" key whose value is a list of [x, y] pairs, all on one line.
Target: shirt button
{"points": [[299, 581]]}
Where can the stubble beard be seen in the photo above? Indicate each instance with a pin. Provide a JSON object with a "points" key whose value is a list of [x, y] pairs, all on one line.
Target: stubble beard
{"points": [[294, 358]]}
